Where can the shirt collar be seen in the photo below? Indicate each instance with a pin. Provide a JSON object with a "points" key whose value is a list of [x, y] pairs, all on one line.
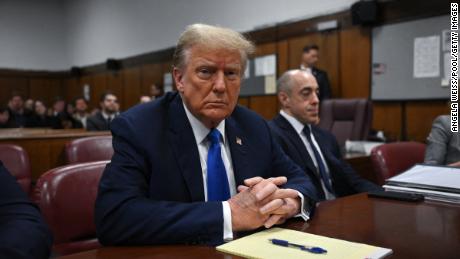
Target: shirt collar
{"points": [[298, 126], [199, 130], [106, 116]]}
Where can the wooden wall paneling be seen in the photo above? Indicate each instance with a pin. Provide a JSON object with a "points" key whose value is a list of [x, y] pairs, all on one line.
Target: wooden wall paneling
{"points": [[387, 117], [71, 88], [98, 87], [243, 101], [46, 89], [265, 49], [420, 116], [131, 87], [266, 106], [328, 43], [93, 101], [151, 74], [282, 48], [115, 85], [8, 85], [355, 63]]}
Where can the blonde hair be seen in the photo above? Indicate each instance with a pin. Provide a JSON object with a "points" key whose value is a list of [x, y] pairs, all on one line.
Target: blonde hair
{"points": [[211, 37]]}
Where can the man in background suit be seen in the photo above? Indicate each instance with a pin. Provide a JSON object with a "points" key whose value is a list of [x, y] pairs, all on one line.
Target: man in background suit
{"points": [[193, 167], [23, 232], [102, 119], [309, 59], [313, 149]]}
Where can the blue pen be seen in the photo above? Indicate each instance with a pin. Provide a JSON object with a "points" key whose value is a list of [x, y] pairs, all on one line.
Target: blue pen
{"points": [[311, 249]]}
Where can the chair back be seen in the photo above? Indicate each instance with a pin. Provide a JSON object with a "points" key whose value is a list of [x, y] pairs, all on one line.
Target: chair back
{"points": [[66, 196], [346, 119], [89, 149], [392, 159], [17, 162]]}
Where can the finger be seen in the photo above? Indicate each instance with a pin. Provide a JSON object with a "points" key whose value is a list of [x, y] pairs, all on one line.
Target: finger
{"points": [[263, 190], [288, 209], [272, 221], [271, 206], [253, 181], [278, 180], [284, 193], [242, 188]]}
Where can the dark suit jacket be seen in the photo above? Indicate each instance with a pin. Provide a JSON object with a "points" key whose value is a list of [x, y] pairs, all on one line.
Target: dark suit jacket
{"points": [[345, 180], [23, 233], [152, 191], [97, 123], [323, 83]]}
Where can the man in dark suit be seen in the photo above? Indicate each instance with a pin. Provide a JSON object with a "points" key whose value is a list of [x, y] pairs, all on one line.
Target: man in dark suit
{"points": [[309, 59], [23, 233], [193, 167], [102, 119], [313, 149]]}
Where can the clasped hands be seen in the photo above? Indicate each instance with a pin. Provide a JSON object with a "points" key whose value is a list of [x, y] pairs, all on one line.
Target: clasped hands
{"points": [[260, 202]]}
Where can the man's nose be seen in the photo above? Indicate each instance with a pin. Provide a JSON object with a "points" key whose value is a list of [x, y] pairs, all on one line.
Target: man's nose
{"points": [[219, 82]]}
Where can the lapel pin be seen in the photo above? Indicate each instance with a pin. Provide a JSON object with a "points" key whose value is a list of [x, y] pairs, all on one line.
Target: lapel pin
{"points": [[238, 141]]}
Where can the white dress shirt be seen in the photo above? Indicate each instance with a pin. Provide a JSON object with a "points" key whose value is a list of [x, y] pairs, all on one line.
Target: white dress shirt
{"points": [[201, 132], [298, 126], [306, 69]]}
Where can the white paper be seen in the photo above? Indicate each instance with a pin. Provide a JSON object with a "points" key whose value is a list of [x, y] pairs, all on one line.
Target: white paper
{"points": [[167, 79], [270, 84], [265, 66], [441, 176], [247, 71], [426, 56], [446, 40], [446, 67]]}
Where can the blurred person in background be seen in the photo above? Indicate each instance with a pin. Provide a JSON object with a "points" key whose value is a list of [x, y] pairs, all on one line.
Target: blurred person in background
{"points": [[109, 110], [16, 109], [39, 118], [81, 107]]}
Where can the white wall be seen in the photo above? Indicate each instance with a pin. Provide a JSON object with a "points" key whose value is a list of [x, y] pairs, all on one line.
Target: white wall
{"points": [[32, 35], [85, 32]]}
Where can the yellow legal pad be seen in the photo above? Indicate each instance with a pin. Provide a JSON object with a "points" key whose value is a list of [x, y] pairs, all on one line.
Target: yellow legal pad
{"points": [[258, 246]]}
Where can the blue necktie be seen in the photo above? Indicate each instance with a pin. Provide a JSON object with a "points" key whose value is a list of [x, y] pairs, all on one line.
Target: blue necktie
{"points": [[319, 161], [218, 189]]}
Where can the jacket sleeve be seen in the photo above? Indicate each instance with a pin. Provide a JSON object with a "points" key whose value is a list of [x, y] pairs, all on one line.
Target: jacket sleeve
{"points": [[23, 232], [297, 179], [358, 183], [437, 142], [126, 215]]}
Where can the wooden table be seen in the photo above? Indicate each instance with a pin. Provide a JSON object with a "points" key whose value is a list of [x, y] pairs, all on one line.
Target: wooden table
{"points": [[362, 164], [412, 230], [45, 147]]}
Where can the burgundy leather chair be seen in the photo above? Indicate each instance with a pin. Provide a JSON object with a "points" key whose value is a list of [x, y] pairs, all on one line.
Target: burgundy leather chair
{"points": [[66, 197], [347, 119], [89, 149], [17, 162], [391, 159]]}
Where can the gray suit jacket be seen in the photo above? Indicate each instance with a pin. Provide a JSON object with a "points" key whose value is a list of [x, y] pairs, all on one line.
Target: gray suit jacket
{"points": [[443, 145]]}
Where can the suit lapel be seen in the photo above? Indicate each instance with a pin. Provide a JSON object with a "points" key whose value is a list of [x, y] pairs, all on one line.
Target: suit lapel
{"points": [[295, 140], [185, 149], [238, 148]]}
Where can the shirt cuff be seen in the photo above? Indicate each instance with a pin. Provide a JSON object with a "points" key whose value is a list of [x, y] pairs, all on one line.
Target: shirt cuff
{"points": [[228, 231], [304, 214]]}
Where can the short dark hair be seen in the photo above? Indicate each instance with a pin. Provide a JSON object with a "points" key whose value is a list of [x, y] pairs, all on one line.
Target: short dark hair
{"points": [[309, 47], [104, 95], [14, 94], [74, 102]]}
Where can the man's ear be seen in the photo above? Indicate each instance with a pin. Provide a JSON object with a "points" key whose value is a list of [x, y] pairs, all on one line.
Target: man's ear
{"points": [[178, 75], [283, 97]]}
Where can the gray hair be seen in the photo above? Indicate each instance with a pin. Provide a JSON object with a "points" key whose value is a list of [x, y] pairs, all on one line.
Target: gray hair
{"points": [[211, 37], [285, 82]]}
